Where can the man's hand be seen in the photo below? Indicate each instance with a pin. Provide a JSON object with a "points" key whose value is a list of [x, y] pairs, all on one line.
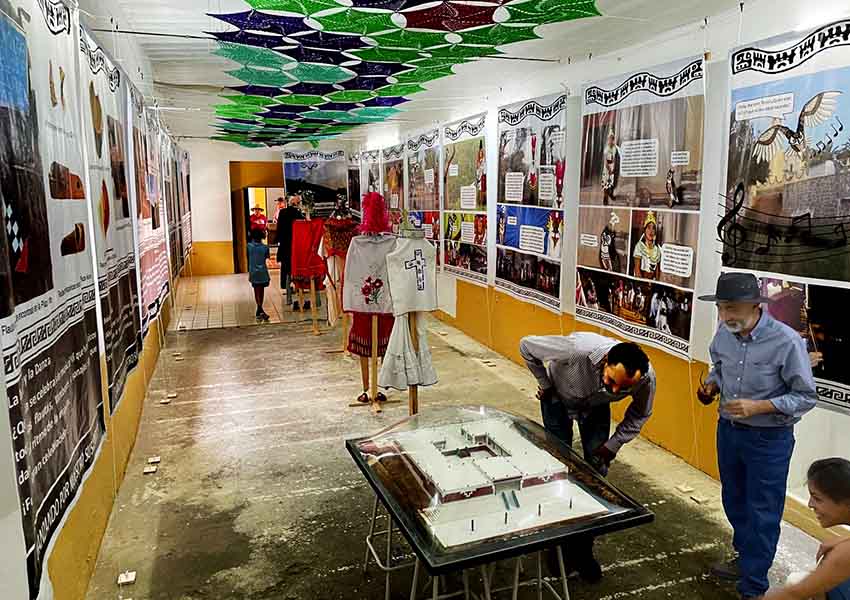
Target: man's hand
{"points": [[815, 358], [744, 409], [707, 393], [544, 395], [604, 454]]}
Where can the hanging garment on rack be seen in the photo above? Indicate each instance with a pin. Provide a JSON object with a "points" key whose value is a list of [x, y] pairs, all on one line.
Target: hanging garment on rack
{"points": [[360, 336], [366, 287], [412, 269], [306, 262], [403, 366]]}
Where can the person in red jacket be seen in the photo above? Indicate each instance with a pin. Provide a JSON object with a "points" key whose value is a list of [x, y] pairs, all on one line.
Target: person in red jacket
{"points": [[258, 219]]}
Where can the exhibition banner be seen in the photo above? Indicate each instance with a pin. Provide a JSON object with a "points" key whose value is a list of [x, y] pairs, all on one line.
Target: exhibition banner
{"points": [[185, 200], [150, 210], [325, 174], [170, 180], [465, 211], [105, 118], [639, 203], [393, 182], [370, 172], [422, 189], [530, 211], [48, 294], [355, 195], [785, 213]]}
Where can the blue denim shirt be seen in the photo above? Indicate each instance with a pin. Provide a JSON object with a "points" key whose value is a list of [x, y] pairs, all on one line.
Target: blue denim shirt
{"points": [[770, 364]]}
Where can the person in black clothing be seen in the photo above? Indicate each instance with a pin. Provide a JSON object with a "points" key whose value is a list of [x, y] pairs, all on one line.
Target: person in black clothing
{"points": [[285, 218]]}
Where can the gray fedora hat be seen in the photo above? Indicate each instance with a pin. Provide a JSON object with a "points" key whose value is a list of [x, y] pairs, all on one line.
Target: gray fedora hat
{"points": [[737, 287]]}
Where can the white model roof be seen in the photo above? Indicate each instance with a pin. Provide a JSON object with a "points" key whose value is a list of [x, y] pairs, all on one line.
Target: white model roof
{"points": [[524, 455], [448, 476], [451, 475], [498, 468]]}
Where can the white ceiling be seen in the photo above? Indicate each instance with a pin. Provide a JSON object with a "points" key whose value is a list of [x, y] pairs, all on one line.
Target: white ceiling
{"points": [[187, 75]]}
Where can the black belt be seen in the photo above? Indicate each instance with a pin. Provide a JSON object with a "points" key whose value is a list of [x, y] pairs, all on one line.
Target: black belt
{"points": [[739, 425]]}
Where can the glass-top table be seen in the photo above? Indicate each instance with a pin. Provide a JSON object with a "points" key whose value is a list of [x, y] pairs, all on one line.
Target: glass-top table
{"points": [[472, 485]]}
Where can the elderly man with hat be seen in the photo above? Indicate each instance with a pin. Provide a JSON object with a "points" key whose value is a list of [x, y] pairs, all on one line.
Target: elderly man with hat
{"points": [[762, 375]]}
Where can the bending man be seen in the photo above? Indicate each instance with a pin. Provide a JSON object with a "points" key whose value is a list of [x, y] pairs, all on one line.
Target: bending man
{"points": [[586, 372]]}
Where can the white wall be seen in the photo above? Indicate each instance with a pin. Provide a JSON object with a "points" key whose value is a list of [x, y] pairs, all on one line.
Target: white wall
{"points": [[210, 185], [822, 433]]}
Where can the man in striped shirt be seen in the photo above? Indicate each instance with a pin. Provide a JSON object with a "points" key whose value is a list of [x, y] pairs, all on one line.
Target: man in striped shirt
{"points": [[578, 377]]}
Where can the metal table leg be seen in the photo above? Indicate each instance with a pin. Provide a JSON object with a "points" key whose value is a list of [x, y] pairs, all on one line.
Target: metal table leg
{"points": [[563, 574], [516, 578], [415, 580], [465, 585], [539, 576], [389, 554], [436, 593], [371, 533]]}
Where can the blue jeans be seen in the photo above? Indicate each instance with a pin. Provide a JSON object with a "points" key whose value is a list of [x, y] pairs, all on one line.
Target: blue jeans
{"points": [[754, 465], [594, 428], [842, 592]]}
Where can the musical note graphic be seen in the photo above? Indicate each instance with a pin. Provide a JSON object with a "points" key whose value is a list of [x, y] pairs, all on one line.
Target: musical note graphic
{"points": [[840, 125], [821, 147], [772, 236], [794, 230], [730, 232]]}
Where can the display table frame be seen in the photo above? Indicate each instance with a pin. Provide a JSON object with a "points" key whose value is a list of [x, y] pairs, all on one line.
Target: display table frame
{"points": [[438, 560]]}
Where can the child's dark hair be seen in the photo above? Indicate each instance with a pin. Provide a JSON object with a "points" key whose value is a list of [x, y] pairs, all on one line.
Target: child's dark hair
{"points": [[831, 476], [631, 356], [258, 235]]}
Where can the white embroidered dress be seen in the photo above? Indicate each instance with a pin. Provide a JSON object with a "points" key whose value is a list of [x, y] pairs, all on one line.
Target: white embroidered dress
{"points": [[367, 288], [412, 269]]}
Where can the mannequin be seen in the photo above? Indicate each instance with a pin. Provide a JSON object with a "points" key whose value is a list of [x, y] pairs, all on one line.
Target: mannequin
{"points": [[366, 294]]}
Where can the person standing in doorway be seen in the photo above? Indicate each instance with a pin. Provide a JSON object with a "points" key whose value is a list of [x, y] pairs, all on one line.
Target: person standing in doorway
{"points": [[585, 373], [258, 272], [285, 219], [258, 219], [762, 374]]}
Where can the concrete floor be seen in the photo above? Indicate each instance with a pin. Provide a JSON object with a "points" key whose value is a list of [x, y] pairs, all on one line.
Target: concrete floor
{"points": [[257, 498], [223, 301]]}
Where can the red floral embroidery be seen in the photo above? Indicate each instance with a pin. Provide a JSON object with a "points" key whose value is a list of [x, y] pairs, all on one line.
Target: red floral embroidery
{"points": [[371, 290]]}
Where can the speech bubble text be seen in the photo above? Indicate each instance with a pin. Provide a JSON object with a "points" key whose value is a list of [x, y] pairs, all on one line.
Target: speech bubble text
{"points": [[681, 158], [467, 232], [677, 260], [468, 197], [514, 186], [768, 106], [639, 158], [532, 239], [589, 240]]}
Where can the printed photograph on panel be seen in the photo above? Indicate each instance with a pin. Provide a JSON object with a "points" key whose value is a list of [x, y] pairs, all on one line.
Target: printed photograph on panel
{"points": [[787, 207], [664, 246], [647, 156], [603, 238]]}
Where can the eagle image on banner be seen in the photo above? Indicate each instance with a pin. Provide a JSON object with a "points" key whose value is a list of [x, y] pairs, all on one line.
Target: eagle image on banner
{"points": [[639, 203], [786, 211], [530, 210]]}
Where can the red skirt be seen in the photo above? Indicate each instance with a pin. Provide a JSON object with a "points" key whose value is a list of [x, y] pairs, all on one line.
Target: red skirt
{"points": [[360, 336]]}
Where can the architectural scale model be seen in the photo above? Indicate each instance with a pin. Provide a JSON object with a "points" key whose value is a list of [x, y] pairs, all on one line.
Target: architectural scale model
{"points": [[487, 480]]}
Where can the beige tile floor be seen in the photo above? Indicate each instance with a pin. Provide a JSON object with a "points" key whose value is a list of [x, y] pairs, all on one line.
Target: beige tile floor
{"points": [[219, 301]]}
